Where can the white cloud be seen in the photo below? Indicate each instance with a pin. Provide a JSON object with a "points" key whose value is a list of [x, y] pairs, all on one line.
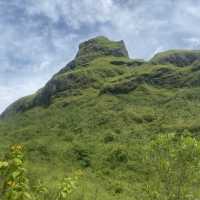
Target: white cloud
{"points": [[39, 37], [12, 91], [143, 24], [192, 43], [76, 13]]}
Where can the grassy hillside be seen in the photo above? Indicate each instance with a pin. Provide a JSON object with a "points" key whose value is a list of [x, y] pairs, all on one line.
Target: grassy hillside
{"points": [[102, 117]]}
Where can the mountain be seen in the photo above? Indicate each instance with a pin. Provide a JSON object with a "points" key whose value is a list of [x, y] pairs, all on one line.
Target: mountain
{"points": [[100, 110], [89, 51]]}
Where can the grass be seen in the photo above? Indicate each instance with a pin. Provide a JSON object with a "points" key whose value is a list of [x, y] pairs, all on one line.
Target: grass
{"points": [[102, 133], [105, 42]]}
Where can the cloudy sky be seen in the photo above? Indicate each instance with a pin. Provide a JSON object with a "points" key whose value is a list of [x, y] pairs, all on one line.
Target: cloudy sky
{"points": [[38, 37]]}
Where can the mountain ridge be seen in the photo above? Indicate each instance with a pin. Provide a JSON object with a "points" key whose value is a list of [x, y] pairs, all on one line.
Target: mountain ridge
{"points": [[97, 48]]}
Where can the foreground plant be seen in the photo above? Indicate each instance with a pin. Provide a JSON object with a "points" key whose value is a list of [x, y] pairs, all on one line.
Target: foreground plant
{"points": [[14, 184], [67, 186]]}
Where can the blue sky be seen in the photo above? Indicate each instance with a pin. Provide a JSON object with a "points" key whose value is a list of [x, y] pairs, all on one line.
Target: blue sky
{"points": [[38, 37]]}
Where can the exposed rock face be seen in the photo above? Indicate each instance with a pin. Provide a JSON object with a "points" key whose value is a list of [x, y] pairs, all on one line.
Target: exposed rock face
{"points": [[58, 84], [100, 46], [94, 48], [179, 58], [88, 51], [163, 77]]}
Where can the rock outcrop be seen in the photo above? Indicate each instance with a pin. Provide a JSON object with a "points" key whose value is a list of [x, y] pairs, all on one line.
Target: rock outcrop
{"points": [[180, 58], [95, 48]]}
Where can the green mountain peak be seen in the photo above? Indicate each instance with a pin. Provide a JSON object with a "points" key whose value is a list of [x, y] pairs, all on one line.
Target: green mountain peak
{"points": [[100, 46], [96, 48]]}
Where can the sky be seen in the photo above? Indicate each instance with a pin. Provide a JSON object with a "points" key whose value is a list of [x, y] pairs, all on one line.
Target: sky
{"points": [[39, 37]]}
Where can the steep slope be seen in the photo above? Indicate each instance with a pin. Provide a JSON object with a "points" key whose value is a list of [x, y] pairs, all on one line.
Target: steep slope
{"points": [[99, 111]]}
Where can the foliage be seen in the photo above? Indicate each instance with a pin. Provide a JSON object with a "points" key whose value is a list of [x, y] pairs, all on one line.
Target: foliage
{"points": [[173, 168], [15, 185], [67, 186]]}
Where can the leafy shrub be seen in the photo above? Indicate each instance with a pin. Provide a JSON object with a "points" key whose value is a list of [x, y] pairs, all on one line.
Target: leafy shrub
{"points": [[15, 185]]}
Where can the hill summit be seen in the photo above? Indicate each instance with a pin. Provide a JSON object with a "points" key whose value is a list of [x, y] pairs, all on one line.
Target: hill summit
{"points": [[95, 48], [98, 47]]}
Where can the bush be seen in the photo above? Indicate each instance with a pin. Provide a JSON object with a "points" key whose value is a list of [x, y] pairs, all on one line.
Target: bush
{"points": [[14, 183]]}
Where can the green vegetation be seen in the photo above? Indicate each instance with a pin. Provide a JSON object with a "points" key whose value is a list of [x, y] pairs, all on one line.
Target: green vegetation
{"points": [[105, 42], [180, 58], [131, 126], [15, 184]]}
